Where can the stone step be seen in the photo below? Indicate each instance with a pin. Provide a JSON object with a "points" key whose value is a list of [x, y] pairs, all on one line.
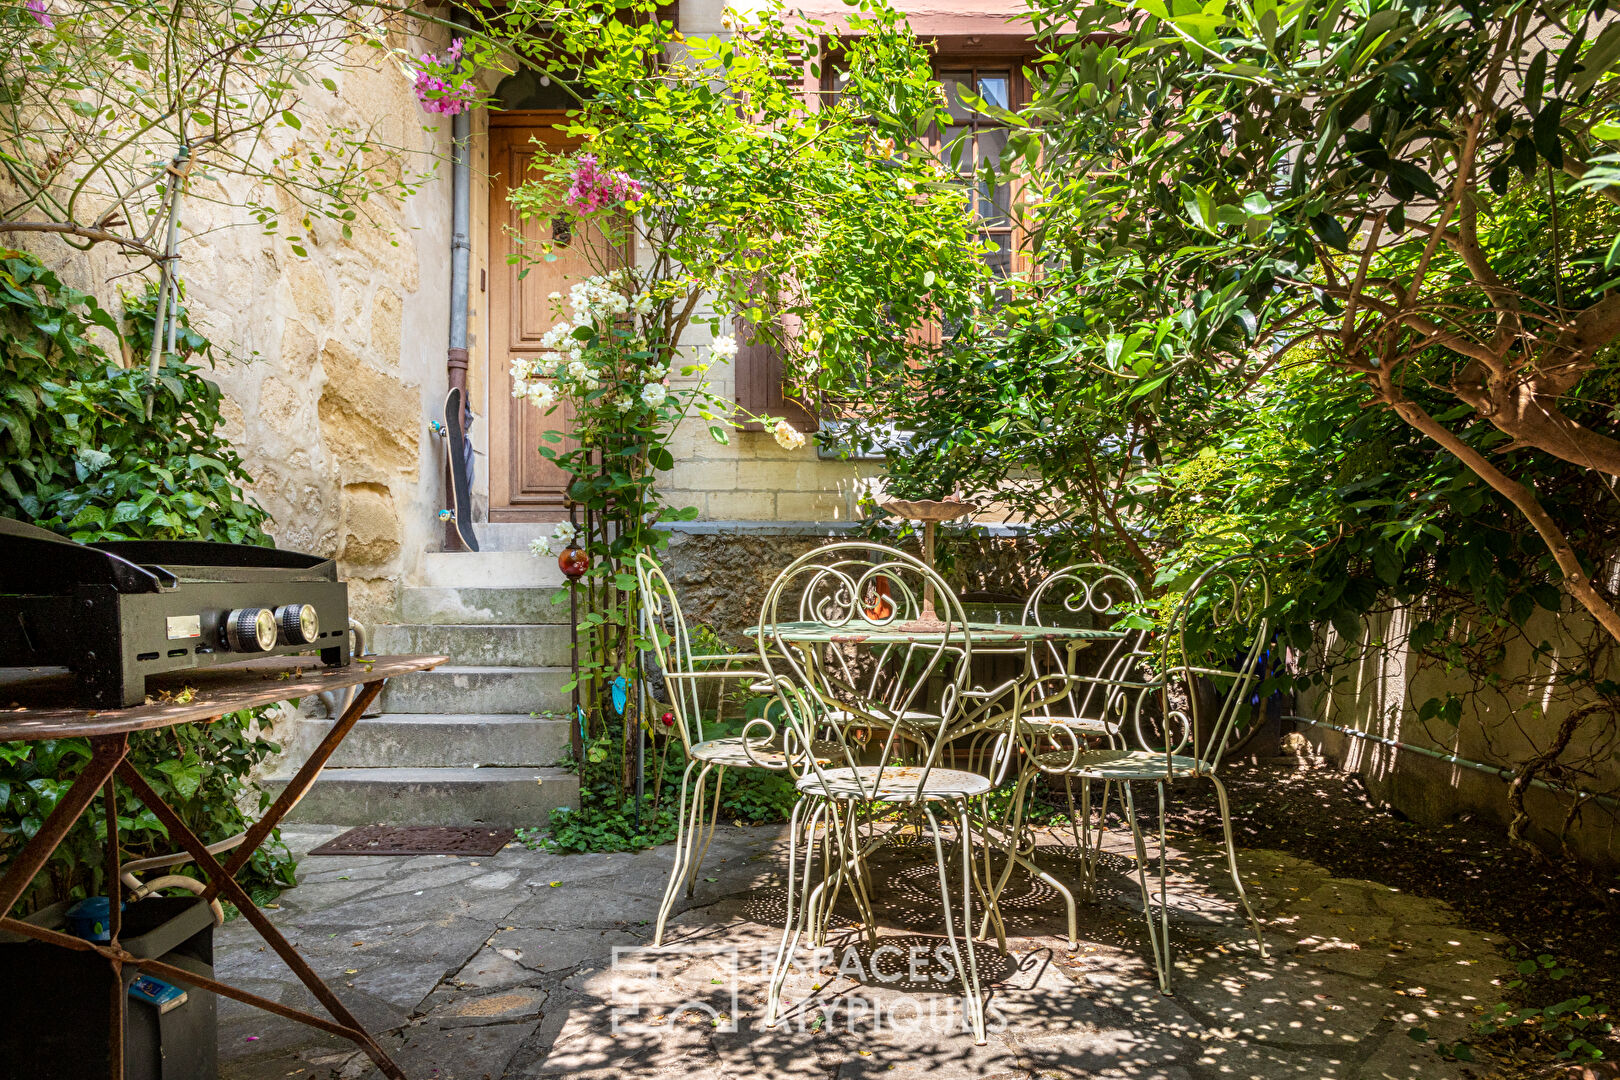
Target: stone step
{"points": [[441, 605], [512, 535], [403, 796], [488, 570], [488, 645], [429, 740], [462, 690]]}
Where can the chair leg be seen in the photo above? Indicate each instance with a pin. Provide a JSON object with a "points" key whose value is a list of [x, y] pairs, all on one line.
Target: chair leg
{"points": [[1164, 898], [1085, 809], [1094, 841], [857, 869], [1012, 825], [793, 925], [677, 871], [987, 895], [969, 971], [1231, 862], [1082, 834], [714, 819], [1161, 959]]}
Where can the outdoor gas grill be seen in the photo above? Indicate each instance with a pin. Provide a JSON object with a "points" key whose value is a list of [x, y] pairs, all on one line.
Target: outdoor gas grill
{"points": [[115, 612]]}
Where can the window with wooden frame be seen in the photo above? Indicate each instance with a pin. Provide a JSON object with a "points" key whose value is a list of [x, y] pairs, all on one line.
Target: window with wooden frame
{"points": [[971, 137]]}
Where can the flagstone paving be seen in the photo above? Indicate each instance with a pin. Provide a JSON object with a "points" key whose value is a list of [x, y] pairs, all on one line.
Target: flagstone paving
{"points": [[531, 965]]}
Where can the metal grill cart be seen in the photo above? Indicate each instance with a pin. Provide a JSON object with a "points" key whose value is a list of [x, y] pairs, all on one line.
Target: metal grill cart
{"points": [[39, 713]]}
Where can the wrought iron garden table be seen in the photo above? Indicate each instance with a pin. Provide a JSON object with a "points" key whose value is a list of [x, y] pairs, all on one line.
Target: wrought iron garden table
{"points": [[200, 696], [992, 713]]}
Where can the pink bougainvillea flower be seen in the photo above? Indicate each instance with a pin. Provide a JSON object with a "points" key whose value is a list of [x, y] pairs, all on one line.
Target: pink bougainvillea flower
{"points": [[441, 84], [36, 8], [591, 189]]}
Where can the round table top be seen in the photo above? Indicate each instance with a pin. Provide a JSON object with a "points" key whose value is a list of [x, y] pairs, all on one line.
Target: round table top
{"points": [[879, 634]]}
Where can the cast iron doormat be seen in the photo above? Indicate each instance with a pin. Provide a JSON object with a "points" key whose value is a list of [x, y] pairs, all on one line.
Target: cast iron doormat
{"points": [[418, 840]]}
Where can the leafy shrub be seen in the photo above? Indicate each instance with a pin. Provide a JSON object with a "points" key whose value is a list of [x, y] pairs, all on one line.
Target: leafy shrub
{"points": [[79, 455], [606, 819]]}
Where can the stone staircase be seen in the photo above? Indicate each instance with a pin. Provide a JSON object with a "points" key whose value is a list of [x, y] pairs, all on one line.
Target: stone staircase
{"points": [[476, 741]]}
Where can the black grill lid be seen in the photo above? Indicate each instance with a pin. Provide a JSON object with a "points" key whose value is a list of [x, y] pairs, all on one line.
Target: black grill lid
{"points": [[39, 561]]}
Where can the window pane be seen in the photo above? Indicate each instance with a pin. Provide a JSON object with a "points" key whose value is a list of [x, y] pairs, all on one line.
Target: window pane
{"points": [[992, 198], [954, 83], [1000, 259], [994, 87]]}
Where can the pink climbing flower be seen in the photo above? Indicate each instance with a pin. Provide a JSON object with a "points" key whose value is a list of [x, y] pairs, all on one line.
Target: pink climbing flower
{"points": [[443, 84], [591, 188], [36, 8]]}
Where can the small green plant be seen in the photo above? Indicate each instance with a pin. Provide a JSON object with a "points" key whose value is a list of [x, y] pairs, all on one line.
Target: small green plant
{"points": [[1565, 1027], [606, 819]]}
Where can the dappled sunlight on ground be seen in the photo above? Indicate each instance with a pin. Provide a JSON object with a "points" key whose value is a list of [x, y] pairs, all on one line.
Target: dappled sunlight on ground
{"points": [[526, 964]]}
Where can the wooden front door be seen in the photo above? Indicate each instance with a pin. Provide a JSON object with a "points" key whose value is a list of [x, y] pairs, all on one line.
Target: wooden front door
{"points": [[523, 485]]}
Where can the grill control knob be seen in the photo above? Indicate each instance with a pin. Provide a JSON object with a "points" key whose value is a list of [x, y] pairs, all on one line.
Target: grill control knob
{"points": [[299, 624], [251, 629]]}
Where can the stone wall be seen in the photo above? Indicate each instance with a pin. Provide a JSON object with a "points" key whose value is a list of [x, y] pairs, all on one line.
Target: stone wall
{"points": [[337, 358], [1510, 712], [721, 577]]}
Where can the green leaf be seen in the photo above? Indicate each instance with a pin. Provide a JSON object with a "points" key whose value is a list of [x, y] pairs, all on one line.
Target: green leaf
{"points": [[1330, 232], [1544, 130]]}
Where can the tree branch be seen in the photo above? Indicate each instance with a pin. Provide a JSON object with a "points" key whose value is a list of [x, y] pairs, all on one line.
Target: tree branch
{"points": [[1576, 581], [88, 232]]}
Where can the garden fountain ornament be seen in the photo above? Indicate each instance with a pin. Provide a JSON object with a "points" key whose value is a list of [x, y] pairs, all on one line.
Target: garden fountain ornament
{"points": [[930, 512]]}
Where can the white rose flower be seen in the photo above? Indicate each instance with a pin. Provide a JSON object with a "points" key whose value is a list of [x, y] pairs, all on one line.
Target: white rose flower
{"points": [[624, 403], [654, 394], [543, 394], [540, 549], [724, 346], [578, 370], [787, 436], [563, 535]]}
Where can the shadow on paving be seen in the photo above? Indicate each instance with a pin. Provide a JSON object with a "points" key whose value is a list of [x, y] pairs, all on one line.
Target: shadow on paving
{"points": [[526, 964]]}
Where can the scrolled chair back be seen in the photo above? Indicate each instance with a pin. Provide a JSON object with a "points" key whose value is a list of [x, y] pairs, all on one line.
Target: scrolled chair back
{"points": [[840, 640], [1218, 635], [1102, 593], [670, 650]]}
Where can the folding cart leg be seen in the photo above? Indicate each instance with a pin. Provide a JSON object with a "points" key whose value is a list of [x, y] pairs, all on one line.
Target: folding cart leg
{"points": [[106, 752], [221, 881]]}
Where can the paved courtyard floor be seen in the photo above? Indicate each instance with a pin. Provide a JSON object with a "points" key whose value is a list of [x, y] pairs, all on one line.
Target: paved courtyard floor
{"points": [[526, 964]]}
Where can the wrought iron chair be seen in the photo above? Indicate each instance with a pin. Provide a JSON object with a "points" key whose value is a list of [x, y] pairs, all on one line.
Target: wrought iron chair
{"points": [[1223, 614], [859, 661], [1090, 706], [684, 673]]}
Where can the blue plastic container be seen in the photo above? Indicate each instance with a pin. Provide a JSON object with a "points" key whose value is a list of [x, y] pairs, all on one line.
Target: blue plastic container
{"points": [[88, 919]]}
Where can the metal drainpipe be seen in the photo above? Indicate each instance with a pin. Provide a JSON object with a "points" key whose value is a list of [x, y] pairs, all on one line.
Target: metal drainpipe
{"points": [[1453, 759], [460, 260]]}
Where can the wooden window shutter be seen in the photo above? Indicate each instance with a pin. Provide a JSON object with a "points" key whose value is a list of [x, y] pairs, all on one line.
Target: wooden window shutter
{"points": [[759, 375]]}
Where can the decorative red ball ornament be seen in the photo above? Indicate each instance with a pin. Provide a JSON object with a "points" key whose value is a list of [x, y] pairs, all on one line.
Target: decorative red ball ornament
{"points": [[573, 562], [668, 719]]}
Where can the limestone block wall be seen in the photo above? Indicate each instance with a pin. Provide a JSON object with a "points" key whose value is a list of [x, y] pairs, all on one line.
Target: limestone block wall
{"points": [[1508, 715], [337, 358]]}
